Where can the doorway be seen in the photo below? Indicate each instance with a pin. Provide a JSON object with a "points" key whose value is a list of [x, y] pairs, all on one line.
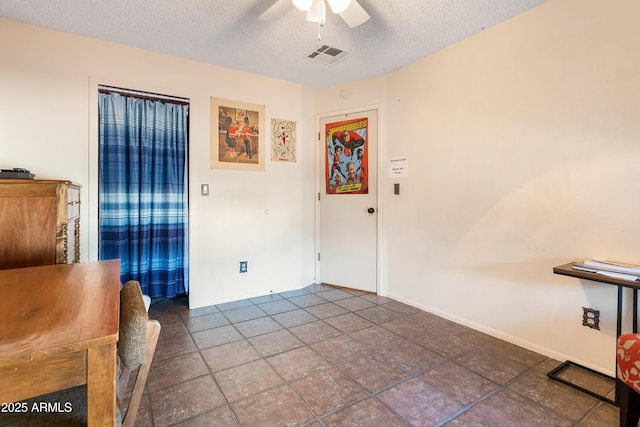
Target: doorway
{"points": [[143, 188], [348, 200]]}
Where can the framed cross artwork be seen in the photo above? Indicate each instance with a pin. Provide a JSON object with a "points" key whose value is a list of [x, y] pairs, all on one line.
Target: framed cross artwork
{"points": [[283, 140]]}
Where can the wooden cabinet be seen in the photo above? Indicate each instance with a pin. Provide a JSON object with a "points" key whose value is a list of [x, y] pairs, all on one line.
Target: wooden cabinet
{"points": [[39, 222]]}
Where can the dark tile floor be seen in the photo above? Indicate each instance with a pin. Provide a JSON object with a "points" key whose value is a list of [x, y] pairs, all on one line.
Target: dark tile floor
{"points": [[323, 356]]}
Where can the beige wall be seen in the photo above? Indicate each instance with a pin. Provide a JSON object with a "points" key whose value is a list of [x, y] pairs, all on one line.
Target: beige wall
{"points": [[522, 147], [48, 124]]}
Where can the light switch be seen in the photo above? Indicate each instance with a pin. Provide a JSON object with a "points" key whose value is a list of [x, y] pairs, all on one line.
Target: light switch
{"points": [[204, 189], [396, 188]]}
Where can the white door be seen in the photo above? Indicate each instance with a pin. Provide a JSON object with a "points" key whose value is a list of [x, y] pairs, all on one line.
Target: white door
{"points": [[348, 200]]}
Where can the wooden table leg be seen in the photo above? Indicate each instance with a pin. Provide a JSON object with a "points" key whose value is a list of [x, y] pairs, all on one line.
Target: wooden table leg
{"points": [[101, 385]]}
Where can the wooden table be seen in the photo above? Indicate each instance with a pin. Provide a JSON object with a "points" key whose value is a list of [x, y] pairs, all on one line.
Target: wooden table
{"points": [[567, 270], [59, 329]]}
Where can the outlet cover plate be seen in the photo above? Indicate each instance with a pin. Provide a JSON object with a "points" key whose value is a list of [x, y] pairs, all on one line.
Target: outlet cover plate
{"points": [[591, 318]]}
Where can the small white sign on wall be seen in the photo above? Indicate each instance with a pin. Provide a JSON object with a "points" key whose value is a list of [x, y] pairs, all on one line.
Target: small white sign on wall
{"points": [[399, 167]]}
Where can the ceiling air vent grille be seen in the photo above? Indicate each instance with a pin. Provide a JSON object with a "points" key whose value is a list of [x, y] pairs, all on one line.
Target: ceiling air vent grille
{"points": [[328, 55]]}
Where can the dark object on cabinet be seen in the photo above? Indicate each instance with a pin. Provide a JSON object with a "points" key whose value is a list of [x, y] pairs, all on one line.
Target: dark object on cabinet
{"points": [[39, 222]]}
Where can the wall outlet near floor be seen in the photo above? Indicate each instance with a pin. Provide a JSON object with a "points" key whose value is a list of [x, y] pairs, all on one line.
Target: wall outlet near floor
{"points": [[243, 266], [591, 318]]}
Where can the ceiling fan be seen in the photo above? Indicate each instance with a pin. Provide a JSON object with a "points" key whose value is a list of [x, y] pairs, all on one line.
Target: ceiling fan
{"points": [[349, 10]]}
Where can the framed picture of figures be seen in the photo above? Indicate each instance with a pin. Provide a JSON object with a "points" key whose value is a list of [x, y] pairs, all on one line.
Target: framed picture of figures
{"points": [[237, 141]]}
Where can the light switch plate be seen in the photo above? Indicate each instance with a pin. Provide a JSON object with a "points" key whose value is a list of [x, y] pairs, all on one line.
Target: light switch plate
{"points": [[204, 189]]}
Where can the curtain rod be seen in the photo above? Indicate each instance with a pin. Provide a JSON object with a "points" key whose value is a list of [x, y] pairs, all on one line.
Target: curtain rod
{"points": [[143, 95]]}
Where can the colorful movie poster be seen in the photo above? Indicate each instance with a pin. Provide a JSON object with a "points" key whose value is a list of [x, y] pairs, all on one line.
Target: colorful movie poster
{"points": [[347, 157]]}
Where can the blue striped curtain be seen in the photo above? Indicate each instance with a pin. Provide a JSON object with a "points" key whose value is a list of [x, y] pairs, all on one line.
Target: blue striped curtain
{"points": [[143, 218]]}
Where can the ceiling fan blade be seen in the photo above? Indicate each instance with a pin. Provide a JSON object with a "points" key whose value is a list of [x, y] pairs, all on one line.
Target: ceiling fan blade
{"points": [[276, 11], [317, 12], [338, 6], [303, 5], [355, 15]]}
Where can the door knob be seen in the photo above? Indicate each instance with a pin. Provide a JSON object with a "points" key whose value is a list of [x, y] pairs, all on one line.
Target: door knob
{"points": [[371, 210]]}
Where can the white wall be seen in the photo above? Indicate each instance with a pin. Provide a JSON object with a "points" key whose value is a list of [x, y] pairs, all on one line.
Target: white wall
{"points": [[48, 124], [523, 155]]}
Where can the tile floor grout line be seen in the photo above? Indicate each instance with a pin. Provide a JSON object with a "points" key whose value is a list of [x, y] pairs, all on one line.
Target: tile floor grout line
{"points": [[505, 386], [589, 413], [265, 358], [331, 366], [213, 378], [336, 366], [383, 324]]}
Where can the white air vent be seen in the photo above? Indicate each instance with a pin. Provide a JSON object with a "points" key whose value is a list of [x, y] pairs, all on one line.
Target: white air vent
{"points": [[328, 55]]}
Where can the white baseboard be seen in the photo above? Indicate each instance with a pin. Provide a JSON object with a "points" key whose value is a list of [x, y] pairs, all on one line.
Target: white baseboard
{"points": [[501, 335]]}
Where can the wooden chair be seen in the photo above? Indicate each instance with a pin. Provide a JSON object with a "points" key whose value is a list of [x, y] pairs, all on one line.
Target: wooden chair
{"points": [[628, 355], [136, 346], [138, 336]]}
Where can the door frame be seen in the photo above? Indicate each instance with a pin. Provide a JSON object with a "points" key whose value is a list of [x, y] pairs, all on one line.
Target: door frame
{"points": [[381, 283]]}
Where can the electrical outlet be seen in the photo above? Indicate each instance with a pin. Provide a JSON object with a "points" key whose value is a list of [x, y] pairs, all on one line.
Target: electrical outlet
{"points": [[243, 266], [591, 318]]}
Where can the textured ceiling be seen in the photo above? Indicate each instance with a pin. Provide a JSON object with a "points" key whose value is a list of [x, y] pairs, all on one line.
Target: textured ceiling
{"points": [[228, 33]]}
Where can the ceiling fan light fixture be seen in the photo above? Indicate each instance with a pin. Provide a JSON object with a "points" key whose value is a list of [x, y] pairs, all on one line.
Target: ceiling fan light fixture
{"points": [[317, 12], [339, 6], [304, 5]]}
